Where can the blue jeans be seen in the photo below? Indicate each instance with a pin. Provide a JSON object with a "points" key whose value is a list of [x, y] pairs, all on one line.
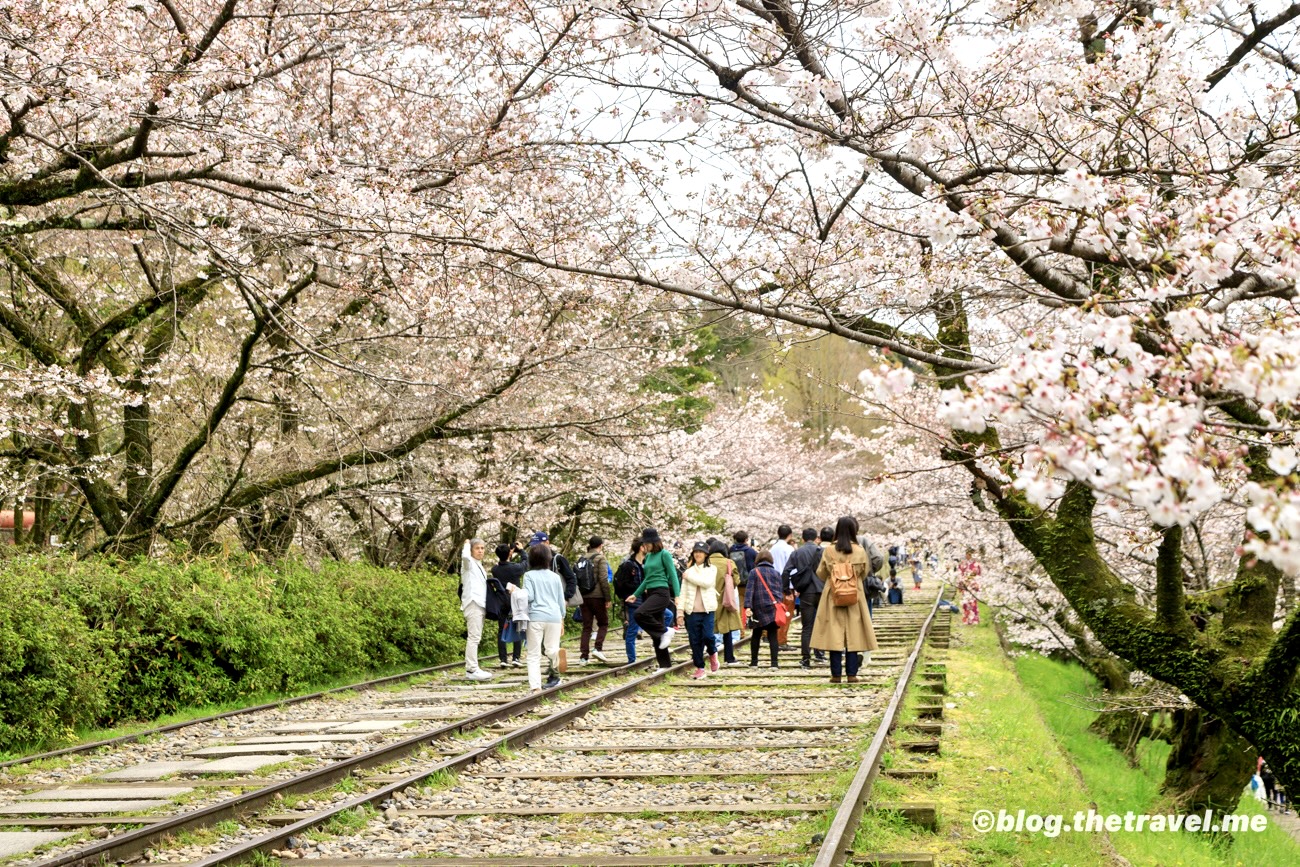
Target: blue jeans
{"points": [[837, 660], [631, 631], [699, 628]]}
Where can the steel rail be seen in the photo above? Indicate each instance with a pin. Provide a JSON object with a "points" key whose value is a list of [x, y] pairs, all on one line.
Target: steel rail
{"points": [[839, 838], [276, 839], [122, 847], [273, 705]]}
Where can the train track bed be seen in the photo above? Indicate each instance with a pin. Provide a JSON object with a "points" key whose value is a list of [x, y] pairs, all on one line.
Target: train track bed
{"points": [[747, 766], [52, 807]]}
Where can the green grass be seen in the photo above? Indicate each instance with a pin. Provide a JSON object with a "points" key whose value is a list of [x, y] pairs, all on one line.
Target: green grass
{"points": [[1117, 788], [997, 754], [349, 821]]}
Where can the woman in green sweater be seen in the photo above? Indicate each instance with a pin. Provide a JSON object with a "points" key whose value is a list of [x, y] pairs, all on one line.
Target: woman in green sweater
{"points": [[658, 588]]}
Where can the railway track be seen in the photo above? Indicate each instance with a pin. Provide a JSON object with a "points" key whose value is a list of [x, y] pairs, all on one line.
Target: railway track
{"points": [[617, 767], [135, 737], [111, 800], [749, 766]]}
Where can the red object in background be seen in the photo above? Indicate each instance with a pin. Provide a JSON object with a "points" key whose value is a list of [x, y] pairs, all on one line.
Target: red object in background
{"points": [[7, 520]]}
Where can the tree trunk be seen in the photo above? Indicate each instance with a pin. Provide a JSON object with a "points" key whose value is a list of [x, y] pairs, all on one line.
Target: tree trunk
{"points": [[1209, 765]]}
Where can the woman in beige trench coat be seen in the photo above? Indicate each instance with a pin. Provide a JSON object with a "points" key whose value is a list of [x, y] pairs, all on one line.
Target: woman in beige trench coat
{"points": [[844, 628]]}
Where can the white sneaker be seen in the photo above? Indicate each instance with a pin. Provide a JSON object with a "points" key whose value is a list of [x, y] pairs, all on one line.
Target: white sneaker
{"points": [[668, 638], [582, 662], [659, 671], [599, 655], [479, 675]]}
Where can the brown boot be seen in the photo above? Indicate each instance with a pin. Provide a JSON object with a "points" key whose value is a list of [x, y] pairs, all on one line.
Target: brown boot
{"points": [[834, 679], [852, 678]]}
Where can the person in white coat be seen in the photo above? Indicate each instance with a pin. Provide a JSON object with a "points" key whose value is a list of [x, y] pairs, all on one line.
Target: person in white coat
{"points": [[473, 604], [696, 606]]}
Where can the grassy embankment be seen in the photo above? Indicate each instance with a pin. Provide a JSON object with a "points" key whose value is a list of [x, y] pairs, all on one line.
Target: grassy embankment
{"points": [[1015, 740]]}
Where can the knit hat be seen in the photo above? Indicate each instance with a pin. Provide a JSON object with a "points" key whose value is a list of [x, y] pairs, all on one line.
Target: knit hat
{"points": [[651, 536]]}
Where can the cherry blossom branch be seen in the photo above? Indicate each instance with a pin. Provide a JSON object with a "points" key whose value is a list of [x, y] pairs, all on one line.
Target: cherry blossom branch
{"points": [[735, 301], [1262, 31]]}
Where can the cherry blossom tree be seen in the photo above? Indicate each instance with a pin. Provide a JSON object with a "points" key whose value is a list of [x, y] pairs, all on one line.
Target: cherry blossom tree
{"points": [[264, 251], [228, 292], [1076, 221]]}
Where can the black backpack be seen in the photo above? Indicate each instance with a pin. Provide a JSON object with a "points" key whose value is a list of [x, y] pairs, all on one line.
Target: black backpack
{"points": [[586, 572], [627, 579], [741, 575]]}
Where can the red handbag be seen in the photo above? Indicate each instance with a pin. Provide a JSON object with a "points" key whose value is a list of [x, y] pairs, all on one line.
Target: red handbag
{"points": [[782, 616]]}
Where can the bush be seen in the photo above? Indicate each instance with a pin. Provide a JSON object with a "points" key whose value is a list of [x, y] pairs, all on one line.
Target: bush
{"points": [[96, 642]]}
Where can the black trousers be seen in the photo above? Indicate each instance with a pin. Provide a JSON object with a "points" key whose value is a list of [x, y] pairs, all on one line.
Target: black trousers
{"points": [[807, 614], [650, 617], [501, 645], [756, 637]]}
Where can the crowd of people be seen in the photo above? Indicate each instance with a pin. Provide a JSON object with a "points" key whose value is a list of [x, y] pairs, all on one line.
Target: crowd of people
{"points": [[834, 577]]}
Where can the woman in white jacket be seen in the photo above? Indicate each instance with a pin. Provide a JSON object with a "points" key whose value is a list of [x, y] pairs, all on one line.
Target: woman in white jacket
{"points": [[473, 604], [695, 607]]}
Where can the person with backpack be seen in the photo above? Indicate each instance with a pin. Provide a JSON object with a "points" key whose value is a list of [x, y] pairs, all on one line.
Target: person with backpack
{"points": [[658, 588], [801, 574], [843, 625], [730, 586], [505, 575], [746, 550], [590, 575], [695, 608], [763, 595], [626, 579]]}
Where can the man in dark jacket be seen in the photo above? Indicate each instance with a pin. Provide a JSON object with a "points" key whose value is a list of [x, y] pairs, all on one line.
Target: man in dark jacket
{"points": [[742, 546], [559, 565], [597, 599], [801, 571], [504, 573]]}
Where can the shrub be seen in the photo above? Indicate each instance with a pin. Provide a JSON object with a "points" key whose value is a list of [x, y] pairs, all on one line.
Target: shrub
{"points": [[96, 642]]}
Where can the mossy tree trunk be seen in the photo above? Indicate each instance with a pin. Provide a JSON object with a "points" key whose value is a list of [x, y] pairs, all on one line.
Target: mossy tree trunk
{"points": [[1238, 669], [1209, 765]]}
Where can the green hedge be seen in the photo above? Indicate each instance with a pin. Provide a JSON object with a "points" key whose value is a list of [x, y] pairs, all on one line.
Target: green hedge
{"points": [[95, 642]]}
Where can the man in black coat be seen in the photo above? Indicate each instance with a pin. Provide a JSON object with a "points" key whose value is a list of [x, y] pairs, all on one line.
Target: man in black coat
{"points": [[801, 572], [504, 573]]}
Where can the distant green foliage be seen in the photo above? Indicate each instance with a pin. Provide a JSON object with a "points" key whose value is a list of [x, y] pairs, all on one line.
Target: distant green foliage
{"points": [[97, 641]]}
